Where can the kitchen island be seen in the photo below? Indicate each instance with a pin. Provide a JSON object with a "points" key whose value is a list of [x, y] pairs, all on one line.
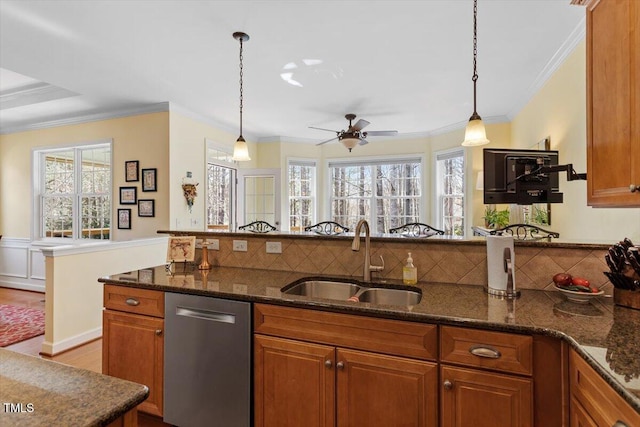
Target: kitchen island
{"points": [[606, 336], [38, 392]]}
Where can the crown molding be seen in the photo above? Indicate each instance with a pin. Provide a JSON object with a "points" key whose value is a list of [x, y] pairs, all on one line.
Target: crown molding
{"points": [[126, 112], [34, 93], [577, 35]]}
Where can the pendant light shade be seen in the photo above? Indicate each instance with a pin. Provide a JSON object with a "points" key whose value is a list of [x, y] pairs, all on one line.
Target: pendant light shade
{"points": [[240, 151], [475, 133], [240, 148]]}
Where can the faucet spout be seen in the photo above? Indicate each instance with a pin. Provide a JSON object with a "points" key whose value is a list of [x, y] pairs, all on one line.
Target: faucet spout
{"points": [[355, 246]]}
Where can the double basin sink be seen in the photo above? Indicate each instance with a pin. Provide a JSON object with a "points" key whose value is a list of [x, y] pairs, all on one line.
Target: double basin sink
{"points": [[345, 290]]}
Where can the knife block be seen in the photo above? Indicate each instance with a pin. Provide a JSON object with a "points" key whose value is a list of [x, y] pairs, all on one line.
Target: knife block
{"points": [[626, 298]]}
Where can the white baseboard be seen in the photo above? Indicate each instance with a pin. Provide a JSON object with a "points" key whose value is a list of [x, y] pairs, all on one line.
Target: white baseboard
{"points": [[52, 349], [23, 286]]}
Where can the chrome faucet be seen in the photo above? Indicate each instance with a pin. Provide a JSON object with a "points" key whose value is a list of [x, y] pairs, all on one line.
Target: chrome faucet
{"points": [[355, 246]]}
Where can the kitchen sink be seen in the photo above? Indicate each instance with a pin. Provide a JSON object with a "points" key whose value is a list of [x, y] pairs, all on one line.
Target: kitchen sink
{"points": [[327, 289], [388, 296], [339, 290]]}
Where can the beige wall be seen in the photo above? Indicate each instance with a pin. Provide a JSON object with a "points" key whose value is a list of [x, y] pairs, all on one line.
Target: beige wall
{"points": [[144, 138], [187, 152], [558, 111]]}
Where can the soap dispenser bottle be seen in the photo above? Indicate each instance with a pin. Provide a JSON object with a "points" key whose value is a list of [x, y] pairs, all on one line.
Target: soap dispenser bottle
{"points": [[409, 272]]}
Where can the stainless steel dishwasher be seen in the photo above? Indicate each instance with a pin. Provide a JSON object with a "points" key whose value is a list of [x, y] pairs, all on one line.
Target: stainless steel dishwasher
{"points": [[207, 361]]}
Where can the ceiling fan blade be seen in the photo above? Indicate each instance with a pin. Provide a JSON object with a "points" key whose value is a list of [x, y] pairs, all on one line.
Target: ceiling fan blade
{"points": [[363, 141], [329, 130], [360, 124], [328, 140], [382, 133]]}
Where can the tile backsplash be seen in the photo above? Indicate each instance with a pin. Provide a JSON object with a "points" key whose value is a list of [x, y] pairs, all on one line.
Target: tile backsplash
{"points": [[449, 262]]}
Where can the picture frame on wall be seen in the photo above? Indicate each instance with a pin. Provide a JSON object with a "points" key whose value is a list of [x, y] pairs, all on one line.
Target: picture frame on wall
{"points": [[128, 195], [131, 171], [149, 179], [124, 219], [146, 207]]}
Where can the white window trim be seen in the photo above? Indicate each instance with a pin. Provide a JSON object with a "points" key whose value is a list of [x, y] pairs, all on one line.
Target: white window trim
{"points": [[338, 161], [210, 144], [36, 188], [435, 214]]}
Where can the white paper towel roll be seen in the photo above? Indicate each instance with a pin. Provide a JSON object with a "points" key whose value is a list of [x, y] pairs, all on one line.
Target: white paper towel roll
{"points": [[497, 277]]}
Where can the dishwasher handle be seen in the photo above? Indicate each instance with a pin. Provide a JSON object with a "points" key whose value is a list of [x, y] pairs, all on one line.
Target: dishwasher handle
{"points": [[199, 313]]}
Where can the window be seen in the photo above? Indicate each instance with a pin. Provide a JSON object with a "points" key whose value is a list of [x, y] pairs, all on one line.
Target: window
{"points": [[302, 176], [74, 192], [450, 191], [221, 187], [386, 193]]}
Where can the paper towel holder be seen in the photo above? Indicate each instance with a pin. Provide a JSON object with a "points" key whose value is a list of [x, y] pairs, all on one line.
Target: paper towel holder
{"points": [[509, 293]]}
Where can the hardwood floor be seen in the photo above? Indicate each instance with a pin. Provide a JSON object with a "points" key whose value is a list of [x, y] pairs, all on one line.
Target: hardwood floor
{"points": [[87, 356]]}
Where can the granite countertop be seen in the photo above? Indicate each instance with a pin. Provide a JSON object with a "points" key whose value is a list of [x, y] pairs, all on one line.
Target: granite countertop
{"points": [[47, 393], [606, 335]]}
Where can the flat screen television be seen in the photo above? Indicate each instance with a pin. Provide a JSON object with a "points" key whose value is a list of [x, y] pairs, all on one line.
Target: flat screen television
{"points": [[518, 177]]}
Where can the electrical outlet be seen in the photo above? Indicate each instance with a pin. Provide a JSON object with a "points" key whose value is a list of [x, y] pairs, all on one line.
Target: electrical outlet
{"points": [[240, 245], [274, 247], [214, 244]]}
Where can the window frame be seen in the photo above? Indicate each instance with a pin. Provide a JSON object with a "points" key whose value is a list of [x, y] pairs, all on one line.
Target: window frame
{"points": [[374, 161], [294, 161], [437, 213], [214, 152], [38, 155]]}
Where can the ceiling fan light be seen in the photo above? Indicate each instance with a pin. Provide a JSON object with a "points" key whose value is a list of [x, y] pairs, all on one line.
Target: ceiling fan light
{"points": [[475, 133], [350, 142], [240, 150]]}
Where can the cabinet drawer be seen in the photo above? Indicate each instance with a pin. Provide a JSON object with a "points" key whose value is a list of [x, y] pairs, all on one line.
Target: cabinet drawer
{"points": [[597, 398], [134, 300], [485, 349], [395, 337]]}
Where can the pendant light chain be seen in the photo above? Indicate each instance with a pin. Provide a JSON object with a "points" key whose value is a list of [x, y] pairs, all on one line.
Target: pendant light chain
{"points": [[475, 52], [241, 75]]}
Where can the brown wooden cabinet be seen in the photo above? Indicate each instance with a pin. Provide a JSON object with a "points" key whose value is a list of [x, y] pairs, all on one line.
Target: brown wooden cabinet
{"points": [[492, 384], [593, 401], [613, 103], [355, 370], [133, 340]]}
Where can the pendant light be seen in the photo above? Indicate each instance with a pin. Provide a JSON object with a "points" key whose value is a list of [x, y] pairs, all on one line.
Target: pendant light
{"points": [[240, 149], [475, 133]]}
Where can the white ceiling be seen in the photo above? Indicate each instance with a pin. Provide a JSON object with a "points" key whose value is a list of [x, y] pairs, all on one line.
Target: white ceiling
{"points": [[404, 65]]}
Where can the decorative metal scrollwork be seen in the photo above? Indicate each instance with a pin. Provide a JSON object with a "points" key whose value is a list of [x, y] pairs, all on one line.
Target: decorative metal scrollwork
{"points": [[525, 232], [258, 227], [416, 229], [328, 228]]}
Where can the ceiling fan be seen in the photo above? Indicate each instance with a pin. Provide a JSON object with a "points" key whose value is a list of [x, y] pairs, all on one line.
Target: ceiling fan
{"points": [[354, 134]]}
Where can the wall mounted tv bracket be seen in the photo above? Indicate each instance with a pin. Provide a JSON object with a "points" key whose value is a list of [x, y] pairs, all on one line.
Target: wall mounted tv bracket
{"points": [[528, 178]]}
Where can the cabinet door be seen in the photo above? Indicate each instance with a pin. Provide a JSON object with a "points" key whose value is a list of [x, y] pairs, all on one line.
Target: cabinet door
{"points": [[579, 416], [483, 399], [613, 99], [133, 349], [379, 390], [294, 383]]}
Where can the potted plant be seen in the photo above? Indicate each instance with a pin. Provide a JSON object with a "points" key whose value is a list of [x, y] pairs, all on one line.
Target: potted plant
{"points": [[494, 218]]}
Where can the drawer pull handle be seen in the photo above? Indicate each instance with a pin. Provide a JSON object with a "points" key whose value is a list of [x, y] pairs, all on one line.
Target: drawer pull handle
{"points": [[328, 363], [158, 332], [132, 301], [484, 351], [619, 424]]}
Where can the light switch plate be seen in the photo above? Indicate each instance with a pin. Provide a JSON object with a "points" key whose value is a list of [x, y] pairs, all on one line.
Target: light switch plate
{"points": [[274, 247], [240, 245]]}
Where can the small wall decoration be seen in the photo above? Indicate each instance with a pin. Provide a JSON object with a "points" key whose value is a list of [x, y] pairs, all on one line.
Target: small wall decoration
{"points": [[146, 207], [149, 179], [131, 171], [128, 195], [146, 275], [181, 248], [124, 219], [189, 190]]}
